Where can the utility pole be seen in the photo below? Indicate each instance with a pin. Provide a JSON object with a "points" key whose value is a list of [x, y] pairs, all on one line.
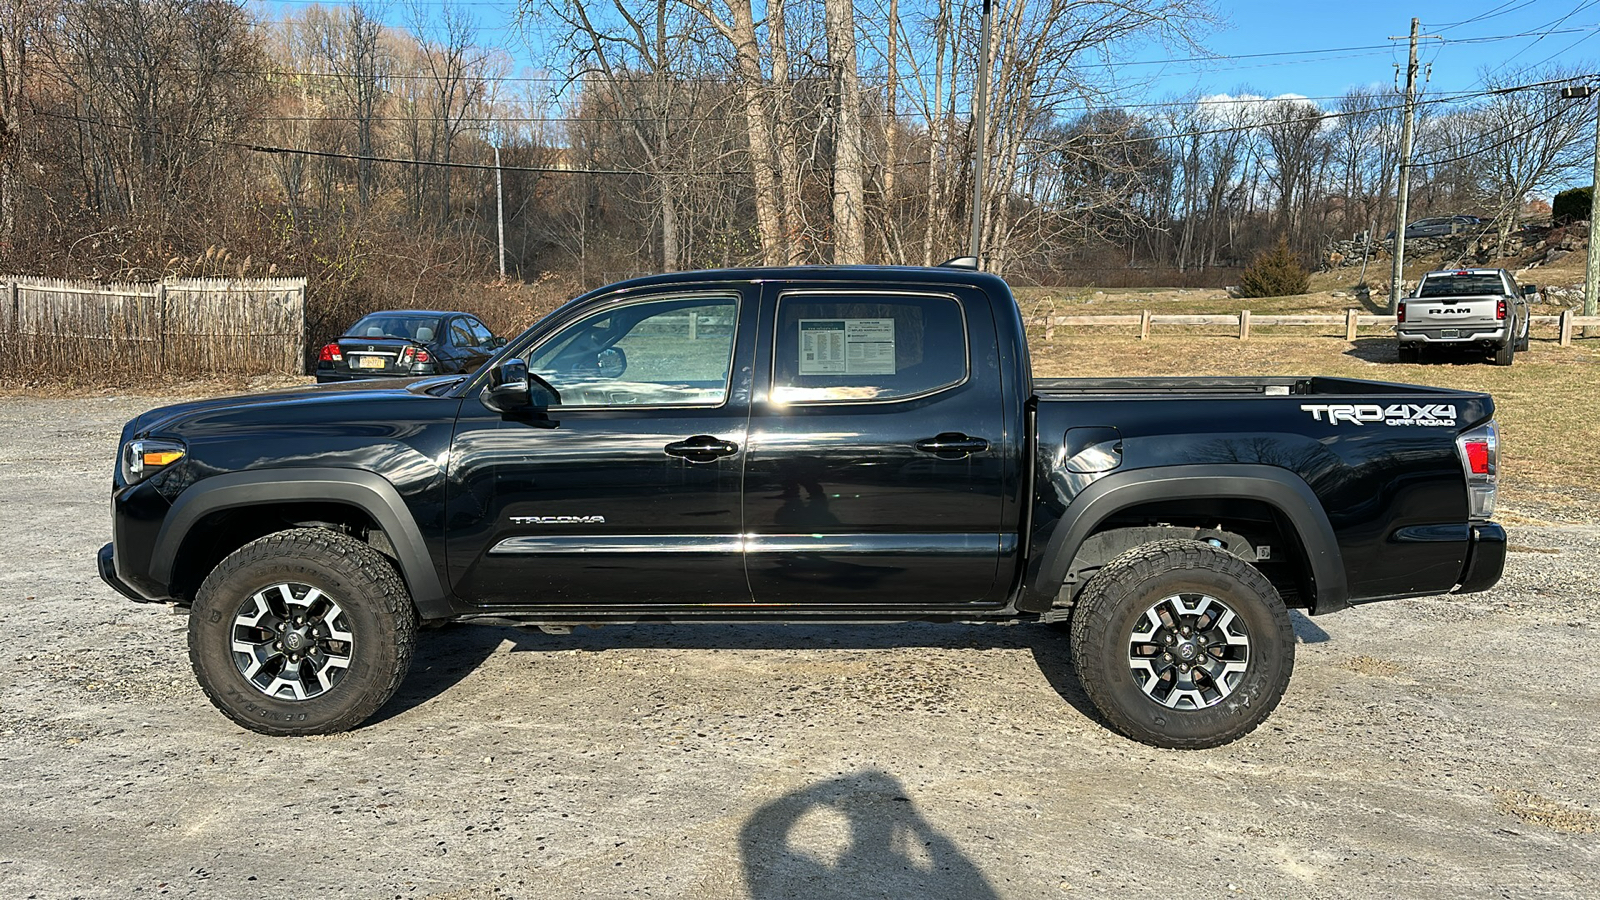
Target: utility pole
{"points": [[1402, 193], [500, 209], [981, 113], [1591, 271]]}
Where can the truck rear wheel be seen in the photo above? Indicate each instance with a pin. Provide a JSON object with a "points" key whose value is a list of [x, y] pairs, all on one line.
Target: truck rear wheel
{"points": [[306, 631], [1182, 645], [1408, 353]]}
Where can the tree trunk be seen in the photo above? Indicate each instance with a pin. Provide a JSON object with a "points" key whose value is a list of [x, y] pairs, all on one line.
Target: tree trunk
{"points": [[787, 147], [849, 193], [769, 225]]}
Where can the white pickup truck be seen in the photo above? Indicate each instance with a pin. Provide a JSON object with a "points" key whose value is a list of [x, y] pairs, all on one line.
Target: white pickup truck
{"points": [[1480, 309]]}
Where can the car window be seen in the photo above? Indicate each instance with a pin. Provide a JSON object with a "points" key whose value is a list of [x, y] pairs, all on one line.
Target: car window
{"points": [[460, 336], [866, 347], [671, 351], [479, 332], [391, 326]]}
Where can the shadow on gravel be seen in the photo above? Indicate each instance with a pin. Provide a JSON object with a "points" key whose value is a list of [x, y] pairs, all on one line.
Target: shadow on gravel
{"points": [[447, 655], [853, 836], [1306, 630]]}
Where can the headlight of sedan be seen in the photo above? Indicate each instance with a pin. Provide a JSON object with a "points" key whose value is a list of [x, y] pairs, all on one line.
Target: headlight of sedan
{"points": [[146, 457]]}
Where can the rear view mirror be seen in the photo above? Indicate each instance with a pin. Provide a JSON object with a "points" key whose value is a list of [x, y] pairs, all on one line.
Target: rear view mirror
{"points": [[512, 389]]}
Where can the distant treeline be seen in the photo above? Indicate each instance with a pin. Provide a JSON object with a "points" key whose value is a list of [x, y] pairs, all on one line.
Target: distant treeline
{"points": [[148, 138]]}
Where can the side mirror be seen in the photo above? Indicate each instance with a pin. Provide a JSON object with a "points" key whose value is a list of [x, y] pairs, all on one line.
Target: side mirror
{"points": [[496, 342], [1528, 290], [512, 389]]}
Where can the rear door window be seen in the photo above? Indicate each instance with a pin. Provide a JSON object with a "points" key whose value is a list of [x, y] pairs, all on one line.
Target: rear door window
{"points": [[843, 347]]}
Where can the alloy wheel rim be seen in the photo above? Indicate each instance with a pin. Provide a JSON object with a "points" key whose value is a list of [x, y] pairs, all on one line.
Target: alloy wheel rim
{"points": [[291, 641], [1189, 651]]}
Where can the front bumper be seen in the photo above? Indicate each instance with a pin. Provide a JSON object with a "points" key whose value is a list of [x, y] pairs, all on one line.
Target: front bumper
{"points": [[1486, 558], [108, 573]]}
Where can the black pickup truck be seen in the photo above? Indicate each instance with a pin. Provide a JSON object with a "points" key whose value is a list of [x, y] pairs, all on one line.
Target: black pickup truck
{"points": [[832, 445]]}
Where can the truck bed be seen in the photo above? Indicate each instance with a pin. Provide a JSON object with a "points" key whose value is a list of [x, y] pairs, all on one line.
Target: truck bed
{"points": [[1270, 386]]}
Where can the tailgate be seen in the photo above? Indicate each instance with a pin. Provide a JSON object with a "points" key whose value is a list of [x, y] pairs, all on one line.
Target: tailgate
{"points": [[1446, 312]]}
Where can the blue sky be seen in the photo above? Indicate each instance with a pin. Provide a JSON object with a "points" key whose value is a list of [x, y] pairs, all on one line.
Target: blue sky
{"points": [[1355, 32], [1559, 31]]}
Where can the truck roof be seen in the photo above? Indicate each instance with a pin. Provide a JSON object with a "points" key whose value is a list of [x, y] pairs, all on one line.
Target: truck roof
{"points": [[897, 274]]}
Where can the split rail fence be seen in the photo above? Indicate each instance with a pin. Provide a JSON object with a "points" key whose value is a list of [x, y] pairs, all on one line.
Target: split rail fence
{"points": [[1243, 321], [188, 326]]}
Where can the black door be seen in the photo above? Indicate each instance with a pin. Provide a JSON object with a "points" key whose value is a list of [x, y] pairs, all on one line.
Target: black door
{"points": [[629, 493], [875, 472]]}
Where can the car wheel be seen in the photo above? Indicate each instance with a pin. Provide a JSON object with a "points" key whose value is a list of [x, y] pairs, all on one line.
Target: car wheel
{"points": [[306, 631], [1182, 645], [1506, 353], [1407, 353]]}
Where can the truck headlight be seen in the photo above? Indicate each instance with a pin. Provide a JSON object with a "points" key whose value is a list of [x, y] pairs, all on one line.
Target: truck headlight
{"points": [[146, 457]]}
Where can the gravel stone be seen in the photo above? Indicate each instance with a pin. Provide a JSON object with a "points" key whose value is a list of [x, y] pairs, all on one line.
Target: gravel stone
{"points": [[1442, 746]]}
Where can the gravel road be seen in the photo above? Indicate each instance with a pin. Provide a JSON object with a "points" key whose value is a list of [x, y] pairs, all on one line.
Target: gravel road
{"points": [[1443, 747]]}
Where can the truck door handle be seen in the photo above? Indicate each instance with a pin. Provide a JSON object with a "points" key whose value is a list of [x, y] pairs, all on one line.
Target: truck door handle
{"points": [[702, 448], [952, 445]]}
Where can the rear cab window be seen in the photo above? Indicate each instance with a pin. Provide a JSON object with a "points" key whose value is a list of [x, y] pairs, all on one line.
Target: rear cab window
{"points": [[1462, 284], [858, 346]]}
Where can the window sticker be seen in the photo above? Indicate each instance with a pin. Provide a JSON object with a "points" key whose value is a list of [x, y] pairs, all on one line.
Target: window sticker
{"points": [[847, 347]]}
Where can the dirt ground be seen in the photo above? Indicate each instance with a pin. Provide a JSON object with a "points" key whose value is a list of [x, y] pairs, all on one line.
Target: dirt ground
{"points": [[1443, 747]]}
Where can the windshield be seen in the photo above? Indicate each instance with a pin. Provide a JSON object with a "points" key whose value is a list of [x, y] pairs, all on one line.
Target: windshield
{"points": [[406, 328], [1460, 285]]}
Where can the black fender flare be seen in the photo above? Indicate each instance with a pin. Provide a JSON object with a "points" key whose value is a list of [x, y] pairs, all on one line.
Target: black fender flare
{"points": [[1279, 488], [367, 491]]}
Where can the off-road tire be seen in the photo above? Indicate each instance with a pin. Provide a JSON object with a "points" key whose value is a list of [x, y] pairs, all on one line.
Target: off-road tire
{"points": [[1115, 602], [1506, 353], [377, 613]]}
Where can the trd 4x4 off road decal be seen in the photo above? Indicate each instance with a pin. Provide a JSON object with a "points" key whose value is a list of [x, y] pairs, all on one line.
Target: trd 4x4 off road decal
{"points": [[559, 520], [1432, 414]]}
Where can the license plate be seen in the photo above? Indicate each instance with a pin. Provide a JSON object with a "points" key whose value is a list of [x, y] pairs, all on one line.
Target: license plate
{"points": [[369, 362], [1450, 333]]}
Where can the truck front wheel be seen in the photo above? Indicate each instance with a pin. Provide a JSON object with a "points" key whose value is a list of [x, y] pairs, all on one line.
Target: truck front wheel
{"points": [[1182, 645], [306, 631]]}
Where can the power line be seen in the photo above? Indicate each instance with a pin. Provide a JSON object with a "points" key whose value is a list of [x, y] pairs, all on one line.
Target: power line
{"points": [[354, 157], [1515, 137], [1318, 116], [1494, 13]]}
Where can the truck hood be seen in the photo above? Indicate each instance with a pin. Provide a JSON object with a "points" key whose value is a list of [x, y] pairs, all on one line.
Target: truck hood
{"points": [[289, 402]]}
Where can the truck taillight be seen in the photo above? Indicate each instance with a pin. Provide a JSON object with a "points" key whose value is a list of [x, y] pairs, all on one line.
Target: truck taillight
{"points": [[1480, 458], [1400, 311], [1500, 310], [330, 353]]}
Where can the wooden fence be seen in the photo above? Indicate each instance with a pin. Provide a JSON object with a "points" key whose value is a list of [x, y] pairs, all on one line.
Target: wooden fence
{"points": [[188, 326], [1241, 322]]}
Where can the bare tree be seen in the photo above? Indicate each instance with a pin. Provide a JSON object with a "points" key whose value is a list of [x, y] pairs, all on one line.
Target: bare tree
{"points": [[347, 44], [21, 24], [849, 193]]}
